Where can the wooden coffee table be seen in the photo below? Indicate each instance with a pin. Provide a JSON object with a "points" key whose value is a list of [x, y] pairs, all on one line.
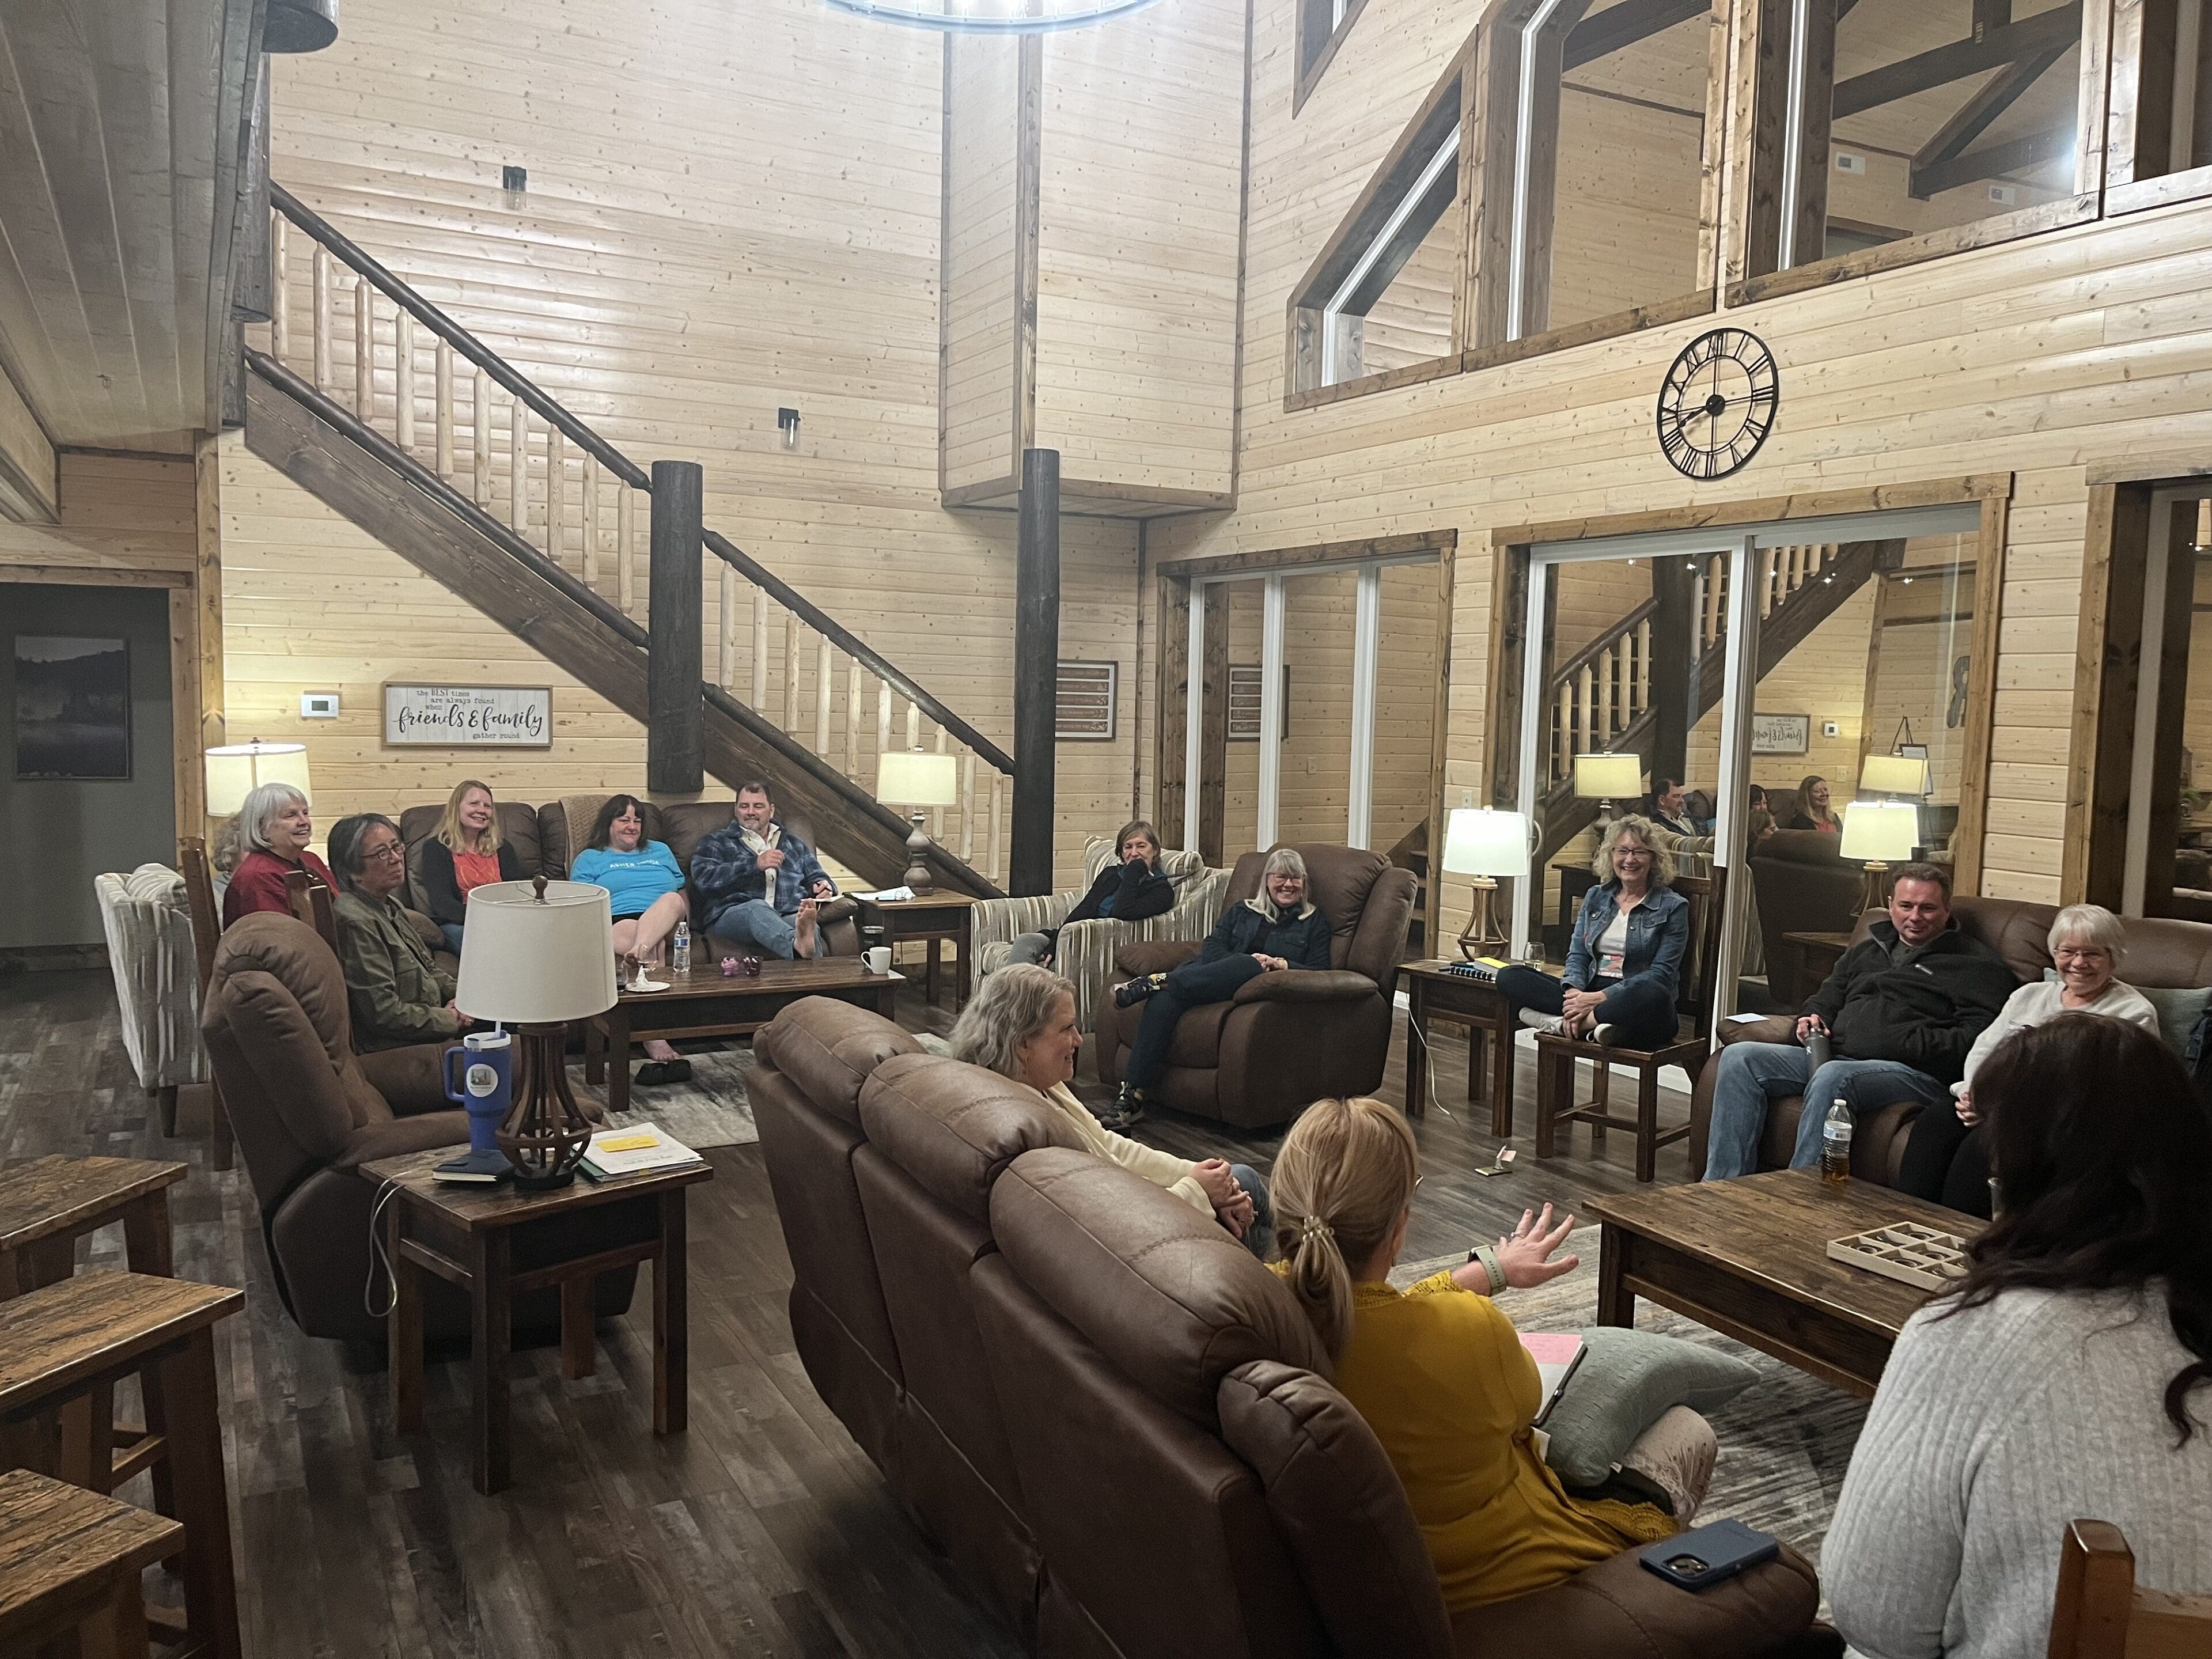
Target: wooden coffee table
{"points": [[1749, 1258], [703, 1003]]}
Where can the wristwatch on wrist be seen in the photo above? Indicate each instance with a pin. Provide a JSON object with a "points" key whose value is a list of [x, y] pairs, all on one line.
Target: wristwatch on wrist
{"points": [[1488, 1256]]}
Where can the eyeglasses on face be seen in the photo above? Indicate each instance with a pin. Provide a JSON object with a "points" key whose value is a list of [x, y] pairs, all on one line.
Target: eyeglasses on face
{"points": [[390, 849]]}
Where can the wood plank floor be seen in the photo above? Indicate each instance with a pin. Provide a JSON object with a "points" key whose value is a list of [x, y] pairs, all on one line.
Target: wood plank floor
{"points": [[762, 1531]]}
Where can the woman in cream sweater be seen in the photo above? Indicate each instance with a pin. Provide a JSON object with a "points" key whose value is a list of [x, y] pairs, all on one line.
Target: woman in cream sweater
{"points": [[1021, 1024]]}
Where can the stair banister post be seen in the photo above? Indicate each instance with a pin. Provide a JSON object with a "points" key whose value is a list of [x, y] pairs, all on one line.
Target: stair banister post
{"points": [[676, 734], [1036, 672]]}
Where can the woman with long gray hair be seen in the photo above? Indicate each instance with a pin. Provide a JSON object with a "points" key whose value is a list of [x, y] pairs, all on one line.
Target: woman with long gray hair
{"points": [[1278, 929], [1022, 1025], [274, 828], [397, 992]]}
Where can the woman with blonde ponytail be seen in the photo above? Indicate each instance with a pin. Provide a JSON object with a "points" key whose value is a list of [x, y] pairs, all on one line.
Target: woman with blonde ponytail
{"points": [[1439, 1372]]}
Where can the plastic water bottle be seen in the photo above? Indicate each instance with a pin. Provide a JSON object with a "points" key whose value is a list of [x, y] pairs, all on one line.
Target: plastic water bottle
{"points": [[680, 948], [1836, 1144]]}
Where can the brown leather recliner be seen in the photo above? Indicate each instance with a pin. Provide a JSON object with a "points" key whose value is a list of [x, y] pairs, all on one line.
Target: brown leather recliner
{"points": [[682, 824], [308, 1112], [1802, 886], [1287, 1039]]}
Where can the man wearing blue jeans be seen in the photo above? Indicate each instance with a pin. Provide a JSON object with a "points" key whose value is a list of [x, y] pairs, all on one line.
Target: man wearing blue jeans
{"points": [[757, 883], [1900, 1011]]}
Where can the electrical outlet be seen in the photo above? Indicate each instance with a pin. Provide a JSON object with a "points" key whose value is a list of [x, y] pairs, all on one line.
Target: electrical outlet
{"points": [[1847, 162], [1467, 797], [1831, 729]]}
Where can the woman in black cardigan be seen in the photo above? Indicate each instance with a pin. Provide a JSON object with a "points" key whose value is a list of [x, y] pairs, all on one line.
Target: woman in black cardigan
{"points": [[1132, 890], [466, 851]]}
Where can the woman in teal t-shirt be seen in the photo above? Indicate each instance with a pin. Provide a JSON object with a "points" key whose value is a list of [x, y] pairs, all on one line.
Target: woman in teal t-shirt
{"points": [[645, 889]]}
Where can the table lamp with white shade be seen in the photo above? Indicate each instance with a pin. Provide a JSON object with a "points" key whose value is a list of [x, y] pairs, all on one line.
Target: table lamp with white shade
{"points": [[1605, 779], [536, 955], [1484, 844], [1894, 775], [1880, 833], [918, 780], [235, 770]]}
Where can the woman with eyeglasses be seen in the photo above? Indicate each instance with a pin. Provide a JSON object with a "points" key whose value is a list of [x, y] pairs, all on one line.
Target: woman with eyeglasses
{"points": [[395, 989]]}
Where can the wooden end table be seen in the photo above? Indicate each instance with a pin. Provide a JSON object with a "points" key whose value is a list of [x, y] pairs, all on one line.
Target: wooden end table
{"points": [[1818, 951], [1433, 994], [1749, 1258], [702, 1004], [936, 917], [467, 1236]]}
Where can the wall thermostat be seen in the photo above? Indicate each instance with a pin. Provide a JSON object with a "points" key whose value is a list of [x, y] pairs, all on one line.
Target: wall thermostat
{"points": [[2003, 195], [318, 705]]}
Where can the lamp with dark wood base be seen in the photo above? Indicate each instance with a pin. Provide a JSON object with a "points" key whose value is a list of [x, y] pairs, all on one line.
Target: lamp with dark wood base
{"points": [[917, 860], [1482, 935], [546, 1132]]}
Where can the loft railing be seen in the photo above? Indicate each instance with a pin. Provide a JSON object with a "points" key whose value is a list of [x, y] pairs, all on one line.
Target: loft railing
{"points": [[523, 458]]}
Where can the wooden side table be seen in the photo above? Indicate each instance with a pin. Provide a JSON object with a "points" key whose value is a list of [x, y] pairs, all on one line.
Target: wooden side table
{"points": [[1818, 952], [70, 1566], [472, 1235], [64, 1348], [935, 917], [1433, 994]]}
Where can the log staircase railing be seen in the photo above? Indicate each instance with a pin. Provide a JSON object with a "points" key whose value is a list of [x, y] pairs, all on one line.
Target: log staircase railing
{"points": [[405, 369]]}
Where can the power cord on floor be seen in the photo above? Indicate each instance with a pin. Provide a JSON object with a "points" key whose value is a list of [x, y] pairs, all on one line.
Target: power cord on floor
{"points": [[1429, 1068], [385, 1194]]}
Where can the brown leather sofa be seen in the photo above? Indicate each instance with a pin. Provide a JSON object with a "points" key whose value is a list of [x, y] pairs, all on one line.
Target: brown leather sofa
{"points": [[1802, 886], [2159, 954], [308, 1112], [544, 841], [1287, 1039], [1115, 1422]]}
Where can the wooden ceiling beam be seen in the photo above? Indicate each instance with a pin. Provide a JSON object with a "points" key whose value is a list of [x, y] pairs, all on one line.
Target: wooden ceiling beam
{"points": [[1623, 25], [2061, 27], [1975, 115], [1993, 160]]}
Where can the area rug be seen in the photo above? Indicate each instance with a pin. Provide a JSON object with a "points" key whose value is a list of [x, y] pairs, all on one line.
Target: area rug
{"points": [[711, 1110], [1785, 1440]]}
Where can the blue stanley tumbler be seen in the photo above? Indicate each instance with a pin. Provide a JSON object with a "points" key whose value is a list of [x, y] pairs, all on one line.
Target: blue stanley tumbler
{"points": [[487, 1085]]}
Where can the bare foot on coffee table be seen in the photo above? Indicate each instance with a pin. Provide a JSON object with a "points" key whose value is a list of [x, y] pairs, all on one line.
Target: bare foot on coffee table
{"points": [[802, 943]]}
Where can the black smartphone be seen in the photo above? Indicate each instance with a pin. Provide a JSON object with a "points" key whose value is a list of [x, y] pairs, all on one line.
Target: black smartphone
{"points": [[1709, 1554]]}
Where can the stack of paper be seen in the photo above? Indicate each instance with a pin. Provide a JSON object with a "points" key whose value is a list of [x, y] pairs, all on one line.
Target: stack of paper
{"points": [[633, 1151]]}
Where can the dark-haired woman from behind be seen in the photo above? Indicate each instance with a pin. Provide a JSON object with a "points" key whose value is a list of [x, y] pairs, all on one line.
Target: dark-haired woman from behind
{"points": [[2069, 1376]]}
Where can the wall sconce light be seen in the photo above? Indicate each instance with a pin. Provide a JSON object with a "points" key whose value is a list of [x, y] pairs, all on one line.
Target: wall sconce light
{"points": [[787, 423]]}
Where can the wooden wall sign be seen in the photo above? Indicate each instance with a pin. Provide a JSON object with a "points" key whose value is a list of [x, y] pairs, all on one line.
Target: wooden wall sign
{"points": [[468, 716], [1781, 734]]}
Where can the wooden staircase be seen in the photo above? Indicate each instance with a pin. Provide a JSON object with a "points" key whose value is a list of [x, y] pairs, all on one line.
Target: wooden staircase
{"points": [[517, 508], [1599, 700]]}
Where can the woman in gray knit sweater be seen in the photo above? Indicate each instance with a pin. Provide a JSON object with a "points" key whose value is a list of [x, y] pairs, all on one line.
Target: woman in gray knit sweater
{"points": [[2069, 1377]]}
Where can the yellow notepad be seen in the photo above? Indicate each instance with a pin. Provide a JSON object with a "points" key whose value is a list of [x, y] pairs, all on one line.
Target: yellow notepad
{"points": [[632, 1143]]}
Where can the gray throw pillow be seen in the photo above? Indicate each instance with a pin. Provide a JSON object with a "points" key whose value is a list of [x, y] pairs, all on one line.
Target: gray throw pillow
{"points": [[1627, 1381], [2178, 1012]]}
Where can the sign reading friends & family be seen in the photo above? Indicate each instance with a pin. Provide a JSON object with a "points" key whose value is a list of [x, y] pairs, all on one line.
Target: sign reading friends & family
{"points": [[447, 716]]}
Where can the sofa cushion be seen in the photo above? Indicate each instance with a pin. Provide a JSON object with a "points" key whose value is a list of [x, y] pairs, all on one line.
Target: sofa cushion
{"points": [[1339, 1506], [1165, 1292], [954, 1128], [828, 1048], [1625, 1383], [2178, 1011], [2162, 951], [518, 826]]}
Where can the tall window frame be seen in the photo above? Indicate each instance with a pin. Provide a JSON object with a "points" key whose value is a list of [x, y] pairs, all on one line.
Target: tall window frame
{"points": [[1320, 26]]}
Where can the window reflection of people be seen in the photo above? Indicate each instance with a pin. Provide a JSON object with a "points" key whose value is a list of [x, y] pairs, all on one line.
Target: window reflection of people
{"points": [[1669, 807], [1947, 1160], [1625, 959], [1130, 890], [1812, 812]]}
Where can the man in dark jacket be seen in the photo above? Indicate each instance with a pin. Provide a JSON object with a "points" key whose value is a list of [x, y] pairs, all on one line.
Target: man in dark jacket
{"points": [[759, 885], [1277, 930], [1899, 1014]]}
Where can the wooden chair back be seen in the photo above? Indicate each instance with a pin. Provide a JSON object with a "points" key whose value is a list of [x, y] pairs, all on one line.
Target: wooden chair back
{"points": [[199, 895], [1701, 961], [311, 904], [2099, 1613]]}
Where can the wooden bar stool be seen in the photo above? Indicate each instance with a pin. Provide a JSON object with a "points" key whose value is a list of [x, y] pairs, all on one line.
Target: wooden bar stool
{"points": [[70, 1567], [62, 1348], [46, 1207]]}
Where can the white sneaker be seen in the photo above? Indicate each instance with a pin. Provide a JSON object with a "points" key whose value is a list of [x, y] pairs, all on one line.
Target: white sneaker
{"points": [[1551, 1024], [1603, 1036]]}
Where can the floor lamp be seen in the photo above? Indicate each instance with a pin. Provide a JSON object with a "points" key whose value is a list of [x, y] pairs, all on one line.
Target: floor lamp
{"points": [[1880, 833], [1486, 844]]}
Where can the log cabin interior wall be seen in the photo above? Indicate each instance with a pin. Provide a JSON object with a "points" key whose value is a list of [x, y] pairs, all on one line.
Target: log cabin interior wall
{"points": [[674, 293]]}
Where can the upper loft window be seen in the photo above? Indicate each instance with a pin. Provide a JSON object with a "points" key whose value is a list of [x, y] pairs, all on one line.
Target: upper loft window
{"points": [[2160, 144], [1602, 130], [1322, 26], [1884, 122], [1381, 295]]}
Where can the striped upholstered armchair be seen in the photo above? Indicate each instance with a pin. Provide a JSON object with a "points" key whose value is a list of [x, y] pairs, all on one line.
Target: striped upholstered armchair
{"points": [[1086, 950]]}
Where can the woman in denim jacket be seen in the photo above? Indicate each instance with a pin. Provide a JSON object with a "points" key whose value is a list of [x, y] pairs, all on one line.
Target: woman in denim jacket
{"points": [[1624, 962]]}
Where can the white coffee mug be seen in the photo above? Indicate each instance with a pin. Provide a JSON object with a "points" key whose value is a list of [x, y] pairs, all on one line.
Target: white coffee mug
{"points": [[879, 959]]}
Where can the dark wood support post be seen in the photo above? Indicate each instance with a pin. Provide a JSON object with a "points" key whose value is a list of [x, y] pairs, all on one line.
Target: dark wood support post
{"points": [[1213, 738], [1036, 672], [676, 732], [1673, 651]]}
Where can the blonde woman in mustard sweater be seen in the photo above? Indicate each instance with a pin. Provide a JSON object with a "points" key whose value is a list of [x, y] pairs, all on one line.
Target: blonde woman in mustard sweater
{"points": [[1439, 1372]]}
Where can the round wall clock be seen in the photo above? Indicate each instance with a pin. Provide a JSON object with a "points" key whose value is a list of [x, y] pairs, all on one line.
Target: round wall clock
{"points": [[1718, 402]]}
